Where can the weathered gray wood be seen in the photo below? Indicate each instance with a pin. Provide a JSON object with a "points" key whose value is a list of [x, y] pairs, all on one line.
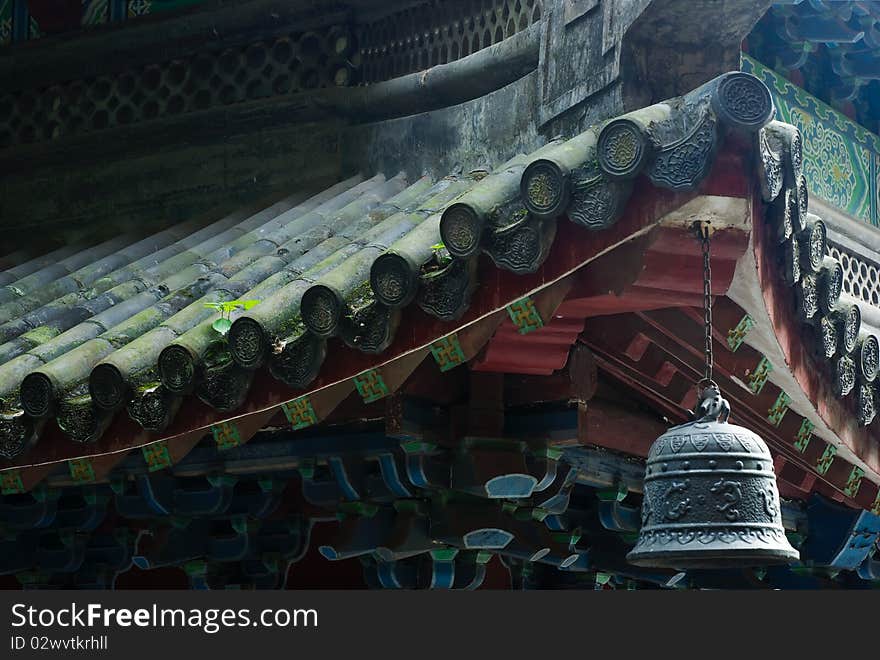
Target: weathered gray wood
{"points": [[227, 153]]}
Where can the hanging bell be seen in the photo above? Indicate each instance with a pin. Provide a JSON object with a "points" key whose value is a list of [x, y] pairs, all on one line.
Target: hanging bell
{"points": [[710, 496]]}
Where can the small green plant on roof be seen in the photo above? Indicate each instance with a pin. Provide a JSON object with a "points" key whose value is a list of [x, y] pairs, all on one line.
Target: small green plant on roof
{"points": [[225, 309], [441, 254]]}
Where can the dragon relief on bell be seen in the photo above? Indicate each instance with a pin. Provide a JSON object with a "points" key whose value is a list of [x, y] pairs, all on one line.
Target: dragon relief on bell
{"points": [[710, 496], [677, 507], [730, 492]]}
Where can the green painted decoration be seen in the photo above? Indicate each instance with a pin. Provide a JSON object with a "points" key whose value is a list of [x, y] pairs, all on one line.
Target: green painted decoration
{"points": [[81, 470], [5, 22], [854, 482], [841, 160], [306, 468], [196, 567], [417, 447], [804, 435], [362, 509], [10, 482], [525, 316], [156, 456], [551, 453], [568, 539], [484, 557], [371, 386], [758, 377], [539, 514], [826, 459], [616, 494], [780, 407], [447, 352], [444, 554], [736, 336], [875, 507], [300, 413], [226, 435]]}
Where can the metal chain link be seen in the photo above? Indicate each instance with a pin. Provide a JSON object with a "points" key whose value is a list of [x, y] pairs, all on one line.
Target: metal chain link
{"points": [[704, 232]]}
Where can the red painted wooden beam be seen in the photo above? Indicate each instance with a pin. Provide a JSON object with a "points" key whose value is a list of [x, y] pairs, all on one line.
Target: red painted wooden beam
{"points": [[538, 353], [660, 269]]}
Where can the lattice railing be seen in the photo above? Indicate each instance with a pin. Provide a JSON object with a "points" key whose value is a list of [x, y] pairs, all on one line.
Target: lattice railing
{"points": [[285, 64], [438, 32], [435, 32], [861, 275]]}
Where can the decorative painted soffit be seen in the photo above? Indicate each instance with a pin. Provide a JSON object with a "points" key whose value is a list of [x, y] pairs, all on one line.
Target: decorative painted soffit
{"points": [[129, 330], [840, 159], [415, 515]]}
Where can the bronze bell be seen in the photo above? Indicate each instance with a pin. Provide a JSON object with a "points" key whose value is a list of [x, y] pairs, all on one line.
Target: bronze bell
{"points": [[710, 496]]}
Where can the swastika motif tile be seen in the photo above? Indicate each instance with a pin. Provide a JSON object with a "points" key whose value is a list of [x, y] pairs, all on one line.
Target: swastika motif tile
{"points": [[81, 470], [826, 459], [737, 335], [10, 482], [371, 386], [759, 376], [156, 456], [226, 435], [804, 435], [447, 352], [854, 482], [300, 413], [780, 407], [525, 316]]}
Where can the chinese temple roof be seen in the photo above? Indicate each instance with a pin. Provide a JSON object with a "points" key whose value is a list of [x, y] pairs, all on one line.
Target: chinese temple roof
{"points": [[126, 345], [127, 329]]}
